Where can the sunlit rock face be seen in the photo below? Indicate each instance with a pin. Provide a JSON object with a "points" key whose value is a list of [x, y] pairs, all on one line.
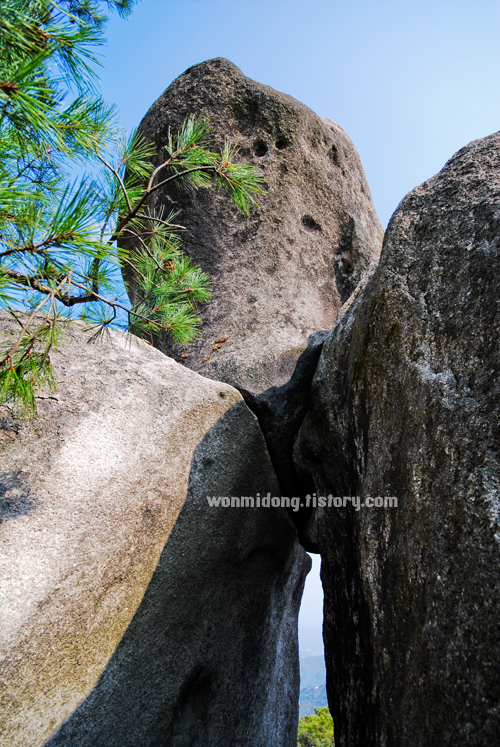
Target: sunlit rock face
{"points": [[405, 403], [284, 272], [133, 613]]}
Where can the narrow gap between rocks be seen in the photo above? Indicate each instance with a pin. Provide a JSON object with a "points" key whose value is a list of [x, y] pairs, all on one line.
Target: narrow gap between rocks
{"points": [[311, 648], [280, 412]]}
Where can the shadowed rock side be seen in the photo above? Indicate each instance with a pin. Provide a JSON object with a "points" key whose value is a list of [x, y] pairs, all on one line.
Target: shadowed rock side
{"points": [[280, 412], [101, 615], [405, 403], [284, 272]]}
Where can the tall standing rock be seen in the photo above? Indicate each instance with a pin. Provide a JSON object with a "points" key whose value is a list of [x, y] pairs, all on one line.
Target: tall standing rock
{"points": [[133, 613], [406, 403], [284, 272]]}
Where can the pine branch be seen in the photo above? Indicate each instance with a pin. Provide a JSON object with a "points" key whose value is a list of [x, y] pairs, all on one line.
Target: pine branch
{"points": [[58, 240]]}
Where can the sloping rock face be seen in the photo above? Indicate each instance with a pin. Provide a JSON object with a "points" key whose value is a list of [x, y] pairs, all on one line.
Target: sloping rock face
{"points": [[284, 272], [406, 403], [132, 612]]}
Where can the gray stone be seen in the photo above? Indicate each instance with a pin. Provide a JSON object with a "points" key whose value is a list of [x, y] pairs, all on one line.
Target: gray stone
{"points": [[280, 412], [406, 403], [133, 613], [284, 272]]}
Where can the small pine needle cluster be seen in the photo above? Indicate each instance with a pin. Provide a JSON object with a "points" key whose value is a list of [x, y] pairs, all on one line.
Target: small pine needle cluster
{"points": [[59, 238]]}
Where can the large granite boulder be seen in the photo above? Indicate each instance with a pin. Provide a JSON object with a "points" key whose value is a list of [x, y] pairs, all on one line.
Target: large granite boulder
{"points": [[406, 403], [284, 272], [132, 613]]}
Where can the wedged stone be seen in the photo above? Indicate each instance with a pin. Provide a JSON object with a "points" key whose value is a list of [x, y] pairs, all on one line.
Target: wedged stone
{"points": [[284, 272], [280, 412], [406, 403], [132, 613]]}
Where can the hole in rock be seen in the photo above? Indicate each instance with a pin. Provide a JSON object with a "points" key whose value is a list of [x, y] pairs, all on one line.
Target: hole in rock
{"points": [[334, 154], [311, 651], [260, 148], [282, 143], [309, 222]]}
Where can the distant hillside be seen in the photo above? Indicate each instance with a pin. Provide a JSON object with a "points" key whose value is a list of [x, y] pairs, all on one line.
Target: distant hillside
{"points": [[312, 684], [312, 671], [311, 698]]}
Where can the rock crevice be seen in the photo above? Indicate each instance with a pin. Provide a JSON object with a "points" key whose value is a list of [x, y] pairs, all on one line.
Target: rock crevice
{"points": [[136, 612]]}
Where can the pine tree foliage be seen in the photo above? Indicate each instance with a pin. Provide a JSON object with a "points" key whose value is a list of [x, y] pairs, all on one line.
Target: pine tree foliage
{"points": [[58, 236], [316, 730]]}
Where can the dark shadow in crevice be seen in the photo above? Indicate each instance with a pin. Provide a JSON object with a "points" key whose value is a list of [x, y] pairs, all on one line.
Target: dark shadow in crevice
{"points": [[344, 262], [280, 412], [347, 630]]}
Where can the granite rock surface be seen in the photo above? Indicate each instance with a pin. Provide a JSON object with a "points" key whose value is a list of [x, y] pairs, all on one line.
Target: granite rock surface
{"points": [[405, 403], [132, 612], [284, 272]]}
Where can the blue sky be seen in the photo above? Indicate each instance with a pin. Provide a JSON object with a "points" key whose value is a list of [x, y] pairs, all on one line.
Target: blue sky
{"points": [[410, 82]]}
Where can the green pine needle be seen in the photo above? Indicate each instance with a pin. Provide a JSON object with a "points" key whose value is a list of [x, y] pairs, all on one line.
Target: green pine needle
{"points": [[59, 253]]}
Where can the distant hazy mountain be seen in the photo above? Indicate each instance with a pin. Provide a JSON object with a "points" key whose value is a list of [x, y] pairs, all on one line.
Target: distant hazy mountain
{"points": [[311, 698], [310, 641], [312, 671], [312, 684]]}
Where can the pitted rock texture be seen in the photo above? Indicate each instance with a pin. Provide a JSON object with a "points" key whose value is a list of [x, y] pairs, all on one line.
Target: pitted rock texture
{"points": [[284, 272], [132, 612], [406, 403]]}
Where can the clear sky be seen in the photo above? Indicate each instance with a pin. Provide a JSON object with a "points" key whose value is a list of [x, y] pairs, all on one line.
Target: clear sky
{"points": [[311, 609], [410, 81]]}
